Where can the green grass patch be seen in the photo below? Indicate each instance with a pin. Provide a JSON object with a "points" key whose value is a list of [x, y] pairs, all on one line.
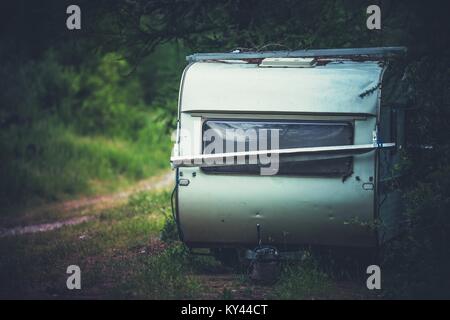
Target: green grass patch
{"points": [[53, 163], [70, 130], [303, 280], [119, 254]]}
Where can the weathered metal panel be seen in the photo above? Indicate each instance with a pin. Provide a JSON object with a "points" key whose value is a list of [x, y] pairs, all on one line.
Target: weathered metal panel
{"points": [[292, 210], [337, 87]]}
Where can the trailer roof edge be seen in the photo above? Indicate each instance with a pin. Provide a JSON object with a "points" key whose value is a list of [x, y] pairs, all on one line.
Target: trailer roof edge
{"points": [[375, 51]]}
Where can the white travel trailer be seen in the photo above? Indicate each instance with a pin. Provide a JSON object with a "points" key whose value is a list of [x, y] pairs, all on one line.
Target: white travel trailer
{"points": [[337, 143]]}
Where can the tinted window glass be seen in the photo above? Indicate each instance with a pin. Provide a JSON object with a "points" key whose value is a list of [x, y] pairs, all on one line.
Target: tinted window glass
{"points": [[292, 134]]}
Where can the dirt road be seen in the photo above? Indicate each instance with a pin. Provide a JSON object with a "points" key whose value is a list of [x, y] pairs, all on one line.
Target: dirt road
{"points": [[77, 210]]}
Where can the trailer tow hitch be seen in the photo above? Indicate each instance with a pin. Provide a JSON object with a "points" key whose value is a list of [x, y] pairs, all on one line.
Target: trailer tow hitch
{"points": [[265, 261]]}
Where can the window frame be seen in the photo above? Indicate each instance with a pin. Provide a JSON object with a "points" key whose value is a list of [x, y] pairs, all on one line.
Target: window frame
{"points": [[349, 171]]}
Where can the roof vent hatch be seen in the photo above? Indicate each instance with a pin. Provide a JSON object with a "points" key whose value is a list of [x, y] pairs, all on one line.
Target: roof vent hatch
{"points": [[288, 62]]}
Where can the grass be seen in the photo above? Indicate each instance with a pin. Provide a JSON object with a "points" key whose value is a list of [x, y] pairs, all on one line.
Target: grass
{"points": [[329, 274], [303, 281], [53, 163], [70, 130], [119, 254]]}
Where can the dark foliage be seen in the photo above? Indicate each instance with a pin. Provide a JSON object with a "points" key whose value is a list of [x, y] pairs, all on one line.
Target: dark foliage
{"points": [[419, 261]]}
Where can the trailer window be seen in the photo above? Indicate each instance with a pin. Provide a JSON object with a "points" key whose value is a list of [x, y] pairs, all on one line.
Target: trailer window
{"points": [[292, 134]]}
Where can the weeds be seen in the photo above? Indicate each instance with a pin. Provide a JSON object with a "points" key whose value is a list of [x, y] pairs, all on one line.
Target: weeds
{"points": [[303, 280], [119, 255]]}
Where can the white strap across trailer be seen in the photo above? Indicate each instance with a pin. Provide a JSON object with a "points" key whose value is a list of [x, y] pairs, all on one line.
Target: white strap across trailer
{"points": [[299, 154]]}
